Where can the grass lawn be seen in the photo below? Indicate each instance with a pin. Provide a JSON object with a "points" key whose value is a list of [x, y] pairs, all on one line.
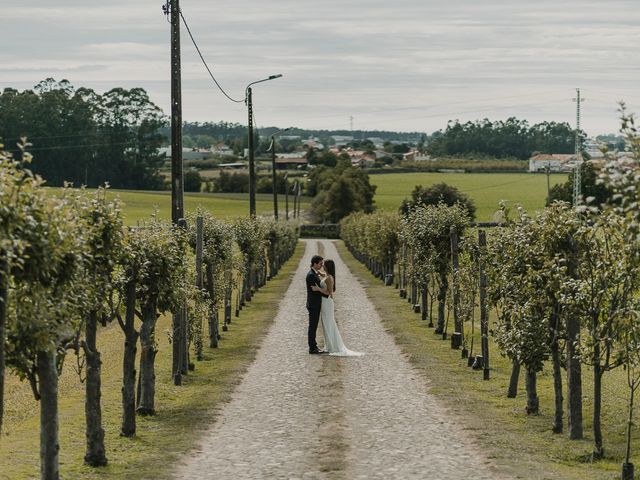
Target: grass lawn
{"points": [[486, 189], [183, 413], [523, 446], [139, 205]]}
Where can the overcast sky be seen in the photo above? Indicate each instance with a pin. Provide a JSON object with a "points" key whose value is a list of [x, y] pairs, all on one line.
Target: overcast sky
{"points": [[391, 65]]}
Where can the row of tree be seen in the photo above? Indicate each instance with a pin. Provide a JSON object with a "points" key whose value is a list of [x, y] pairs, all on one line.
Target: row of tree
{"points": [[84, 137], [69, 265], [564, 284], [512, 138]]}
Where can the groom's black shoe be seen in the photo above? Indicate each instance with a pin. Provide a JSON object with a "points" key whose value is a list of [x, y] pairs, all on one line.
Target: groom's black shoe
{"points": [[316, 351]]}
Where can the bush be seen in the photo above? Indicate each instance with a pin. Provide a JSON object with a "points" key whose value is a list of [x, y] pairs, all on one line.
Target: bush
{"points": [[192, 181], [232, 183]]}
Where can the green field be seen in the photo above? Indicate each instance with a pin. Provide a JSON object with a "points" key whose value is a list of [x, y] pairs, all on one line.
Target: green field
{"points": [[486, 189], [139, 205]]}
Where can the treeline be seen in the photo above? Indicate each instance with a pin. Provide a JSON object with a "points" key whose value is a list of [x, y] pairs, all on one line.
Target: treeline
{"points": [[86, 138], [512, 138], [564, 284], [68, 265]]}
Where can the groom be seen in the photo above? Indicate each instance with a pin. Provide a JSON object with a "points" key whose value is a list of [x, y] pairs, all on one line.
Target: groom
{"points": [[314, 302]]}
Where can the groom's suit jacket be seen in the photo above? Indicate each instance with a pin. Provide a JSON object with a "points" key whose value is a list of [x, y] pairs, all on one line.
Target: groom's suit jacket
{"points": [[314, 299]]}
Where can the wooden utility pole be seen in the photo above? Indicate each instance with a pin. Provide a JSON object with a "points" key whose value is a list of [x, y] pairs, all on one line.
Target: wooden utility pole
{"points": [[177, 181], [274, 178], [252, 162]]}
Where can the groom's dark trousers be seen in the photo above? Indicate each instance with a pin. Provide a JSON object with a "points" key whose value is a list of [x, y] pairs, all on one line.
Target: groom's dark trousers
{"points": [[314, 302]]}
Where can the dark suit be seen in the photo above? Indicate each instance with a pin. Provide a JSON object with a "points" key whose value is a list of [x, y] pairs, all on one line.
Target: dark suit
{"points": [[314, 302]]}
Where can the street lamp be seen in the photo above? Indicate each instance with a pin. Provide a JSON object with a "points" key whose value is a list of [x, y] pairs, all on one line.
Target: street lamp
{"points": [[252, 167], [272, 148]]}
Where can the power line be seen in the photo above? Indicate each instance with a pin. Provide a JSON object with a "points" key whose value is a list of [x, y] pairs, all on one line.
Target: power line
{"points": [[71, 147], [29, 138], [205, 63]]}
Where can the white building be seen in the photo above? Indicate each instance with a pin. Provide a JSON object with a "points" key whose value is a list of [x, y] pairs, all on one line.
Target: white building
{"points": [[555, 162]]}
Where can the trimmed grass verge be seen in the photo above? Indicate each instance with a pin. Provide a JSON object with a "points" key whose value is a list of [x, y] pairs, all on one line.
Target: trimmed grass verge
{"points": [[521, 446], [183, 413]]}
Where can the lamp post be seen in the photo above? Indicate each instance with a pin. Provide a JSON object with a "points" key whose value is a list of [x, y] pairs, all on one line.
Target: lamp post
{"points": [[252, 167], [274, 184]]}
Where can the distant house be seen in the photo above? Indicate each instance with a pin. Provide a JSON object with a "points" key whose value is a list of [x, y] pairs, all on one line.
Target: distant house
{"points": [[221, 150], [555, 162], [234, 165], [289, 161], [342, 140], [377, 141], [360, 158], [313, 143], [187, 153], [415, 156]]}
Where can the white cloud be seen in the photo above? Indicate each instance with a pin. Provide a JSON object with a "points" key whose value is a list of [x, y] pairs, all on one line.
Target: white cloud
{"points": [[405, 64]]}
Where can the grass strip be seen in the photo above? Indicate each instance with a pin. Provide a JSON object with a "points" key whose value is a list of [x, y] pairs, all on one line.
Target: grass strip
{"points": [[183, 413]]}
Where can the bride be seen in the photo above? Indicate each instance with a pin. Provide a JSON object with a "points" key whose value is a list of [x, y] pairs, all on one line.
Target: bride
{"points": [[332, 338]]}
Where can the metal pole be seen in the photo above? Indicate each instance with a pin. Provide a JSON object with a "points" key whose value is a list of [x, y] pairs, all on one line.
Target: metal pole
{"points": [[177, 181], [295, 198], [577, 173], [286, 195], [484, 314], [548, 170], [273, 177], [252, 166]]}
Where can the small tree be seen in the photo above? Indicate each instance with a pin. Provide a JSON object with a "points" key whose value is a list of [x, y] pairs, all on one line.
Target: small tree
{"points": [[101, 222], [192, 180], [438, 193]]}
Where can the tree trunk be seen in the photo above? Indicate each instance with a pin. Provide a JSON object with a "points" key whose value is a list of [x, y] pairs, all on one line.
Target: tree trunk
{"points": [[147, 360], [574, 368], [558, 420], [49, 446], [184, 350], [442, 299], [128, 428], [632, 391], [533, 402], [598, 450], [574, 382], [4, 299], [513, 381], [95, 455]]}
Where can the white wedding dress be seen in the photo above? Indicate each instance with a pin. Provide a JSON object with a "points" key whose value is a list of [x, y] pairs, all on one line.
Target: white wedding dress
{"points": [[332, 339]]}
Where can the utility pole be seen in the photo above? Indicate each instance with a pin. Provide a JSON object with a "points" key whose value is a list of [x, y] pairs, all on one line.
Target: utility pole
{"points": [[252, 163], [274, 178], [252, 167], [172, 8], [351, 124], [577, 173]]}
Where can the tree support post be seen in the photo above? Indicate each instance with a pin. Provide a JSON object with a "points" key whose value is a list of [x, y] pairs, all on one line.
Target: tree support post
{"points": [[484, 313], [457, 339]]}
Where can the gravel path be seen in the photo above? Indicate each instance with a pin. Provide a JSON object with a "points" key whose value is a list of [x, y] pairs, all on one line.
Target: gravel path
{"points": [[304, 416]]}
